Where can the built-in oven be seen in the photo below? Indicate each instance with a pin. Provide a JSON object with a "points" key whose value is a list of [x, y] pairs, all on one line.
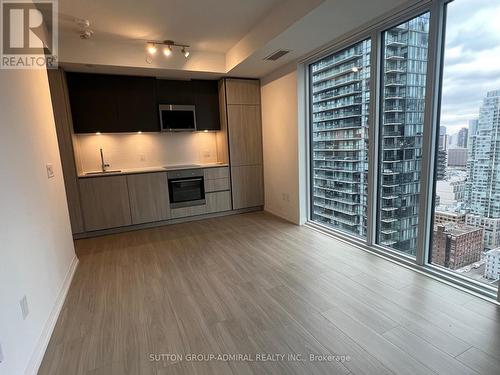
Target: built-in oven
{"points": [[186, 188]]}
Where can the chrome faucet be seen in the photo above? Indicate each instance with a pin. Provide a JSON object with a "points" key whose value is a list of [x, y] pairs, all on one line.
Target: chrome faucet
{"points": [[103, 164]]}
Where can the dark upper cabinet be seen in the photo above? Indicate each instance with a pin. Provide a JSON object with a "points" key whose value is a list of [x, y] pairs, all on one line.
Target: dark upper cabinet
{"points": [[203, 94], [174, 92], [93, 105], [206, 99], [111, 104], [136, 103]]}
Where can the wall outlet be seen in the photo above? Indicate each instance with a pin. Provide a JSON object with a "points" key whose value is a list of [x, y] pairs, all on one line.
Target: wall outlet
{"points": [[25, 310], [207, 154], [285, 197], [142, 157], [50, 171], [1, 354]]}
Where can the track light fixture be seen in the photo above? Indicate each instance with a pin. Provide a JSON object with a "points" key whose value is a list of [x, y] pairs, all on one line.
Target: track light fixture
{"points": [[152, 47]]}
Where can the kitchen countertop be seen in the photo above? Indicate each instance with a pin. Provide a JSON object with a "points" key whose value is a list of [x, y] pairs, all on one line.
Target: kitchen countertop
{"points": [[172, 167]]}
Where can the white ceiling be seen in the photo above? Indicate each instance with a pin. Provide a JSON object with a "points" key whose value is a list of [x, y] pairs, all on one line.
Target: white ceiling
{"points": [[207, 25], [228, 37]]}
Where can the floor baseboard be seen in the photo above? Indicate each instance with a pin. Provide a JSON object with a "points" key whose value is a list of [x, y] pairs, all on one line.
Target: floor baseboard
{"points": [[43, 342], [280, 215]]}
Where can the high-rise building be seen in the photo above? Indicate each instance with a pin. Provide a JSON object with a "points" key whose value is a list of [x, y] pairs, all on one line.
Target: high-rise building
{"points": [[451, 140], [492, 268], [441, 161], [451, 191], [405, 67], [483, 170], [443, 138], [462, 138], [483, 166], [472, 131], [340, 101], [456, 246], [457, 157], [444, 217], [491, 229]]}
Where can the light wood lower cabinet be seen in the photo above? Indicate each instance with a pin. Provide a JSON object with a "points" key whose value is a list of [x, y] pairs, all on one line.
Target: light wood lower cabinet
{"points": [[247, 186], [219, 184], [216, 173], [117, 201], [105, 202], [148, 195], [218, 202], [215, 202]]}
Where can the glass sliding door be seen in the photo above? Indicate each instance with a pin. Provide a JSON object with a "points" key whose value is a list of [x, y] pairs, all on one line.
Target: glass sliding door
{"points": [[404, 64], [466, 227], [339, 97]]}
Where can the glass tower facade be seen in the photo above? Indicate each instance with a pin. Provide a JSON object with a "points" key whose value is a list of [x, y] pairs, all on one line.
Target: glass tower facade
{"points": [[483, 165], [340, 87], [403, 98]]}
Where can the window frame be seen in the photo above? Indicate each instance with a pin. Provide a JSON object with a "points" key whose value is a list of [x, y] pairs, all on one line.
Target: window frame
{"points": [[374, 31]]}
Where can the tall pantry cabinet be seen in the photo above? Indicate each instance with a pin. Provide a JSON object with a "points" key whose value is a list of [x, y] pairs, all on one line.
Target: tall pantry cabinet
{"points": [[241, 116]]}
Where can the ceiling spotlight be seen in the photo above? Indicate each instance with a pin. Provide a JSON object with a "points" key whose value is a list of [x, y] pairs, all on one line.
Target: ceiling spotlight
{"points": [[152, 48], [167, 51], [167, 46]]}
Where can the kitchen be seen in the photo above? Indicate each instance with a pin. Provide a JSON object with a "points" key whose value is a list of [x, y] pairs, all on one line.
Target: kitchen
{"points": [[140, 152], [246, 187]]}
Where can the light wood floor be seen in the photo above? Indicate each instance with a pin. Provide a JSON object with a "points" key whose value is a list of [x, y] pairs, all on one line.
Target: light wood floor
{"points": [[254, 284]]}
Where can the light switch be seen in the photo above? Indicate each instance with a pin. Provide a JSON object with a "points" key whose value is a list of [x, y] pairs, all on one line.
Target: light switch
{"points": [[50, 171]]}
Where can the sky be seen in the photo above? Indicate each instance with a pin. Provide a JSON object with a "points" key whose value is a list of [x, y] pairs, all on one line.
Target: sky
{"points": [[471, 61]]}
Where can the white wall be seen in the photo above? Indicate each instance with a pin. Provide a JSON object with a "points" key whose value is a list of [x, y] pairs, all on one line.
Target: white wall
{"points": [[36, 247], [133, 150], [280, 135]]}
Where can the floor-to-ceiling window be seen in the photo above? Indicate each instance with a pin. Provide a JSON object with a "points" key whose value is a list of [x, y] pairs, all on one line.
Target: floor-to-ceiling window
{"points": [[466, 227], [405, 139], [340, 95], [402, 125]]}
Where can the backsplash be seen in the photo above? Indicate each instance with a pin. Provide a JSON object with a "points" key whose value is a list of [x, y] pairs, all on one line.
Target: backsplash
{"points": [[134, 150]]}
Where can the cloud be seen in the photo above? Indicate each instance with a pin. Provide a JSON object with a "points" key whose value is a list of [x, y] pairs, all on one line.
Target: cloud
{"points": [[471, 60]]}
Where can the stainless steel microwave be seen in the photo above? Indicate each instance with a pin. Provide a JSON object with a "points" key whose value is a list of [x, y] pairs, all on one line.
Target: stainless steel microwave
{"points": [[177, 118]]}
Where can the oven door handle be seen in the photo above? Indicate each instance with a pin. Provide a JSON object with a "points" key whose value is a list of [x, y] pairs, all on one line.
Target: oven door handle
{"points": [[187, 180]]}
